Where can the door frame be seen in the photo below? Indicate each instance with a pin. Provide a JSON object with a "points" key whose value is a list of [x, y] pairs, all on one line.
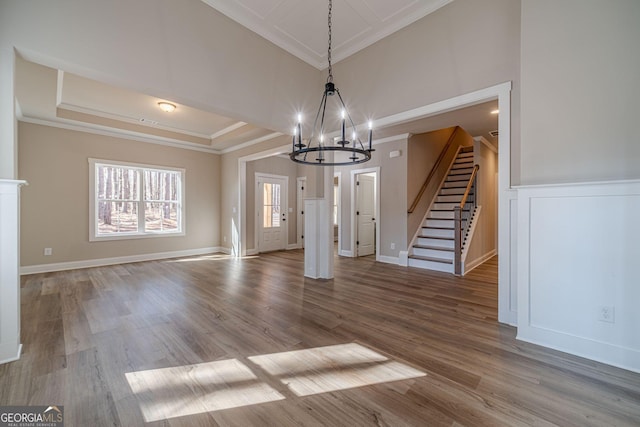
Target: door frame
{"points": [[338, 174], [354, 222], [300, 181], [257, 204]]}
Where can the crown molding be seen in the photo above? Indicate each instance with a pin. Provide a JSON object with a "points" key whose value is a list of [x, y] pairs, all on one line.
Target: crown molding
{"points": [[116, 133], [252, 142]]}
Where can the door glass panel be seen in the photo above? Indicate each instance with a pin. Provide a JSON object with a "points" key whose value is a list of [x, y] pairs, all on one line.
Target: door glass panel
{"points": [[271, 205]]}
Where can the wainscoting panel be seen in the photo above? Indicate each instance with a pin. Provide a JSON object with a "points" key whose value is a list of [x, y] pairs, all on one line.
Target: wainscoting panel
{"points": [[578, 286]]}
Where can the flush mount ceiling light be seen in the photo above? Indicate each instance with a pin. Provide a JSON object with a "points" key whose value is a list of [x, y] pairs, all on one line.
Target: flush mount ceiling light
{"points": [[167, 107], [495, 111], [318, 149]]}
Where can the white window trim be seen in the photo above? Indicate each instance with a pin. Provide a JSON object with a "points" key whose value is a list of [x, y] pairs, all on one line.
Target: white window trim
{"points": [[93, 222]]}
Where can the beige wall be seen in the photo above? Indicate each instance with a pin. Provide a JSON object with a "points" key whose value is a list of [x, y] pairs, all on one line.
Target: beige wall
{"points": [[55, 205], [463, 47], [485, 238], [580, 91], [230, 221], [273, 166]]}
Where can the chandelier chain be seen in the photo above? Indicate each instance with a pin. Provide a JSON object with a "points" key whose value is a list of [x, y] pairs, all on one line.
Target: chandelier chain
{"points": [[330, 77]]}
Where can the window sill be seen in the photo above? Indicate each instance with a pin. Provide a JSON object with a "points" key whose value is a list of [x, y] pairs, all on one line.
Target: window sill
{"points": [[135, 236]]}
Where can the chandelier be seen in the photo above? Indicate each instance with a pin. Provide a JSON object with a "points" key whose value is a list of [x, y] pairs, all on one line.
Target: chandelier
{"points": [[318, 149]]}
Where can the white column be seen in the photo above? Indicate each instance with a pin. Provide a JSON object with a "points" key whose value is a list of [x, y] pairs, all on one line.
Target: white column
{"points": [[8, 124], [327, 244], [318, 229], [10, 346]]}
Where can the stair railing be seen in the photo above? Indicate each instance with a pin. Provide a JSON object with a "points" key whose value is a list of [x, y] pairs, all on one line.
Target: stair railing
{"points": [[462, 218], [433, 170]]}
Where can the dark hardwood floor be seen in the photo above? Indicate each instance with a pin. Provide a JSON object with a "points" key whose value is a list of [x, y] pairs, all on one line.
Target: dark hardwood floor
{"points": [[211, 340]]}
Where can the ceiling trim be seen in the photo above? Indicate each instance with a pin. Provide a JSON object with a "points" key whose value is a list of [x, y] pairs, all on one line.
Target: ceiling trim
{"points": [[127, 119], [484, 141], [116, 133], [252, 142], [226, 130]]}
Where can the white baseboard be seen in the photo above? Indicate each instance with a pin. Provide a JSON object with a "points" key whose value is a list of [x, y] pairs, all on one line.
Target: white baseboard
{"points": [[388, 259], [13, 358], [618, 356], [222, 249], [251, 252], [478, 261], [343, 252], [74, 265], [293, 246]]}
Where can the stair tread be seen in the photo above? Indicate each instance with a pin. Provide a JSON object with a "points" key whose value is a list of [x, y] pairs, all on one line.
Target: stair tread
{"points": [[457, 193], [435, 248], [433, 259], [436, 237], [438, 228]]}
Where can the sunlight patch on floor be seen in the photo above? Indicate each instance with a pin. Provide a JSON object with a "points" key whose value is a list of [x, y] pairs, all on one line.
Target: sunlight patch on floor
{"points": [[192, 389], [331, 368], [179, 391]]}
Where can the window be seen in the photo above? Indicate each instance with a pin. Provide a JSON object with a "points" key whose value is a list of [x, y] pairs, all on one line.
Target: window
{"points": [[271, 205], [131, 201]]}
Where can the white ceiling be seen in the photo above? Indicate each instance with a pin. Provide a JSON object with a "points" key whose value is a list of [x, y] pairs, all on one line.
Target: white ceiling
{"points": [[61, 98], [300, 27]]}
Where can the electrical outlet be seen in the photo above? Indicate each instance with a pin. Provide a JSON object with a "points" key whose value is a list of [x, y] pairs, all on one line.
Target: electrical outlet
{"points": [[393, 246], [607, 313], [224, 239], [48, 251]]}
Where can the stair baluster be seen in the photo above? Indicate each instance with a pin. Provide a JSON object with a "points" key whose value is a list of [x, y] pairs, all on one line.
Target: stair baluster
{"points": [[462, 214]]}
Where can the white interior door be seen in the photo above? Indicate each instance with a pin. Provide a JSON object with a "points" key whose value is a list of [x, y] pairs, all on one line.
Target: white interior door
{"points": [[271, 210], [365, 214]]}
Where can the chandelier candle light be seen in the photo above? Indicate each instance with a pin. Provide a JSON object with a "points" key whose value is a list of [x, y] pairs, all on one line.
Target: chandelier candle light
{"points": [[345, 152]]}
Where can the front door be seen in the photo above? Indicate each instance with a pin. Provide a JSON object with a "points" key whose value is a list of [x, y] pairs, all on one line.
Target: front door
{"points": [[271, 210]]}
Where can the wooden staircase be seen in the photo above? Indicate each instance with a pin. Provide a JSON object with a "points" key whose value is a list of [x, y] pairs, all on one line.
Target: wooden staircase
{"points": [[434, 246]]}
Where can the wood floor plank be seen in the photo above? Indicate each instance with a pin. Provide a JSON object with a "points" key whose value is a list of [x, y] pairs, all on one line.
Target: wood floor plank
{"points": [[178, 340]]}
